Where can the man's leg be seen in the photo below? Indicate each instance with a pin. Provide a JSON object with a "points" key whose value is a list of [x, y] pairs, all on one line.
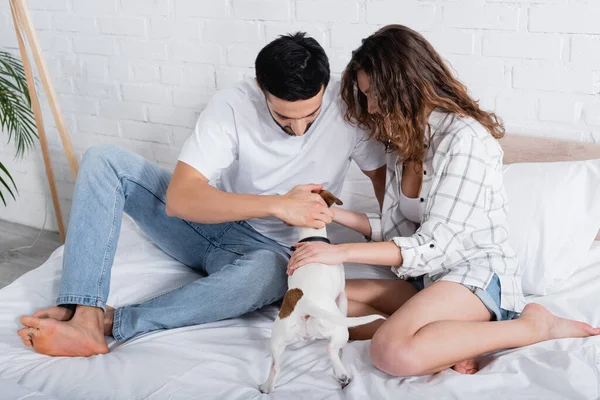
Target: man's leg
{"points": [[235, 285], [111, 180]]}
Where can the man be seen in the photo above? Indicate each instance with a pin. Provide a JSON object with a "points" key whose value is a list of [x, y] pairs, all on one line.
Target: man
{"points": [[243, 181]]}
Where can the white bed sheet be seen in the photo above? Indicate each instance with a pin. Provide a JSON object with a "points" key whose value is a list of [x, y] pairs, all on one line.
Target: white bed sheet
{"points": [[229, 359]]}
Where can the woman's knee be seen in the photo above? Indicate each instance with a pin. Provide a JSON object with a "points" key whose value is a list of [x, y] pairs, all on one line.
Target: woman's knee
{"points": [[394, 355]]}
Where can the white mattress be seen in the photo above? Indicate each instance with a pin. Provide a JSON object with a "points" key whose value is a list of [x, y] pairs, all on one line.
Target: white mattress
{"points": [[229, 359]]}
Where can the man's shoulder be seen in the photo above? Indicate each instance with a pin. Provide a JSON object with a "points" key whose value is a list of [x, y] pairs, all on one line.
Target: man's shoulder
{"points": [[334, 86], [332, 95], [333, 105], [241, 94]]}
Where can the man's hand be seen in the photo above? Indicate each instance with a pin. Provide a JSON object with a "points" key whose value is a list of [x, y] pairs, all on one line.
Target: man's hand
{"points": [[300, 207]]}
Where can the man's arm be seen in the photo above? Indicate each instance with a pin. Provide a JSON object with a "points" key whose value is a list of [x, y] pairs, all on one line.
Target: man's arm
{"points": [[191, 197], [377, 177]]}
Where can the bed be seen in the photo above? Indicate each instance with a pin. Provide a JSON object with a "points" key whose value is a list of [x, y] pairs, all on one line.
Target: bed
{"points": [[229, 359]]}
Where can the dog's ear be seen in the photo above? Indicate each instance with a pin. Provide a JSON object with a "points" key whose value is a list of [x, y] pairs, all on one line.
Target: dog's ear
{"points": [[329, 198]]}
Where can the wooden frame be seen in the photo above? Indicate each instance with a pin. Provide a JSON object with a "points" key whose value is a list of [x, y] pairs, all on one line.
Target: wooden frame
{"points": [[520, 149], [26, 35]]}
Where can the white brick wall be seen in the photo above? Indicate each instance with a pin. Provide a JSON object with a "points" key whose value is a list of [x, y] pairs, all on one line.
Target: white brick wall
{"points": [[138, 72], [483, 16]]}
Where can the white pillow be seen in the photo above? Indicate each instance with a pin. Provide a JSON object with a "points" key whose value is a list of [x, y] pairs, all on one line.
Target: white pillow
{"points": [[553, 216]]}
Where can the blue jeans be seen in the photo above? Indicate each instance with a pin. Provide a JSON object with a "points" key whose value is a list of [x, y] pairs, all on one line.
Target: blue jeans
{"points": [[244, 269]]}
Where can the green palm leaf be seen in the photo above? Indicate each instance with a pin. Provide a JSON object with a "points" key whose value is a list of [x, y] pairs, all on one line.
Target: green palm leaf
{"points": [[3, 182], [16, 117]]}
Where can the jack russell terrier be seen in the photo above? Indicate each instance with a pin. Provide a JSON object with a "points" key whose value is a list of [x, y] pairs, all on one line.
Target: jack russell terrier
{"points": [[314, 307]]}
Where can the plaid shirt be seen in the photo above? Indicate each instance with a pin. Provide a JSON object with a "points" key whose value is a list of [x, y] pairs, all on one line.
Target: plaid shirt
{"points": [[463, 235]]}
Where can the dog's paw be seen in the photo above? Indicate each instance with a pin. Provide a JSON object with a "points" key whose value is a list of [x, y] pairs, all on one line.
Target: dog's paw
{"points": [[265, 389], [344, 380]]}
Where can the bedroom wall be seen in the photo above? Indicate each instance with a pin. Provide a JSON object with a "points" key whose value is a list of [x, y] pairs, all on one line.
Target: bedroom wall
{"points": [[138, 72]]}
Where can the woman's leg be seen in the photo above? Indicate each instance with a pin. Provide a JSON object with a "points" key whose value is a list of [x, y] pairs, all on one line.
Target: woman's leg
{"points": [[385, 297], [375, 296], [446, 323]]}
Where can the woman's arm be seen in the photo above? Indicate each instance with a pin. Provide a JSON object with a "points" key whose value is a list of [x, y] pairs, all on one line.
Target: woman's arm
{"points": [[381, 253], [353, 220], [384, 253]]}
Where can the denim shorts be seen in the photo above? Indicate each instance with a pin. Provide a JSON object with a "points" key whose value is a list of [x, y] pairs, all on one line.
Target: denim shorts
{"points": [[490, 297]]}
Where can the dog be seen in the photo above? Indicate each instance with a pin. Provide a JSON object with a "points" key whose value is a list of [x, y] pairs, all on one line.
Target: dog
{"points": [[314, 307]]}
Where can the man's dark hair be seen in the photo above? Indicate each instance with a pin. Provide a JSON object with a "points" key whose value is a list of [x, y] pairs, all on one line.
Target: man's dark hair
{"points": [[292, 67]]}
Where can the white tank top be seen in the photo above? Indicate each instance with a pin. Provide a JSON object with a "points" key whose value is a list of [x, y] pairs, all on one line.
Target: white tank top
{"points": [[410, 208]]}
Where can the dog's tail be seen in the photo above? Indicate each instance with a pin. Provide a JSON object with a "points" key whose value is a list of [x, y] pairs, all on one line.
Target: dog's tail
{"points": [[337, 317]]}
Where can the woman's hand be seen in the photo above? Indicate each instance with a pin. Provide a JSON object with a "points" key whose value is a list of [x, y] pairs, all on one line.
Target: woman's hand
{"points": [[310, 252]]}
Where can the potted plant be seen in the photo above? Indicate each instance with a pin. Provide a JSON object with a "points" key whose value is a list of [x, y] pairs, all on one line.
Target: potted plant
{"points": [[16, 118]]}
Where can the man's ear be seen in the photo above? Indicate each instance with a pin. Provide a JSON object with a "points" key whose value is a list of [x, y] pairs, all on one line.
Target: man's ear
{"points": [[329, 198]]}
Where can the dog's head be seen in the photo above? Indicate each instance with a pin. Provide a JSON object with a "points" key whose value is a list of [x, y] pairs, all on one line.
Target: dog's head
{"points": [[329, 198]]}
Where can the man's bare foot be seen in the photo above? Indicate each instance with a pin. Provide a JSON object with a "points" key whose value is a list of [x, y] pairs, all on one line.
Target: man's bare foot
{"points": [[549, 326], [467, 367], [65, 314], [56, 312], [82, 336]]}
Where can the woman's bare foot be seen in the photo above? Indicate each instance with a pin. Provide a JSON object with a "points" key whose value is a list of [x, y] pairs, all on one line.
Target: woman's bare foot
{"points": [[549, 326], [82, 336], [56, 312], [467, 367]]}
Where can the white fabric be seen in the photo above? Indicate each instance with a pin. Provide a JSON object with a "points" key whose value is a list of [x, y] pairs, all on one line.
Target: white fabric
{"points": [[237, 145], [462, 236], [229, 359], [13, 391], [554, 216], [410, 207]]}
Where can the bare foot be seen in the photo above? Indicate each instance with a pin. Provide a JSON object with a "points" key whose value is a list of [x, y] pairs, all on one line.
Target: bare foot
{"points": [[24, 334], [467, 367], [65, 314], [549, 326], [82, 336], [57, 313]]}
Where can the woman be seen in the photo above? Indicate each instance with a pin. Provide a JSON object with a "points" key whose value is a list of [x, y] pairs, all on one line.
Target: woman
{"points": [[443, 225]]}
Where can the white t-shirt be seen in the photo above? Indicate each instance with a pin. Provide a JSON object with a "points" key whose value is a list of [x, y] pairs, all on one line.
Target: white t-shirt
{"points": [[240, 149]]}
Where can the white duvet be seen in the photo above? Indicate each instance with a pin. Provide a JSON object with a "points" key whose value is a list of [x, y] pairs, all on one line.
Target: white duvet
{"points": [[229, 359]]}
